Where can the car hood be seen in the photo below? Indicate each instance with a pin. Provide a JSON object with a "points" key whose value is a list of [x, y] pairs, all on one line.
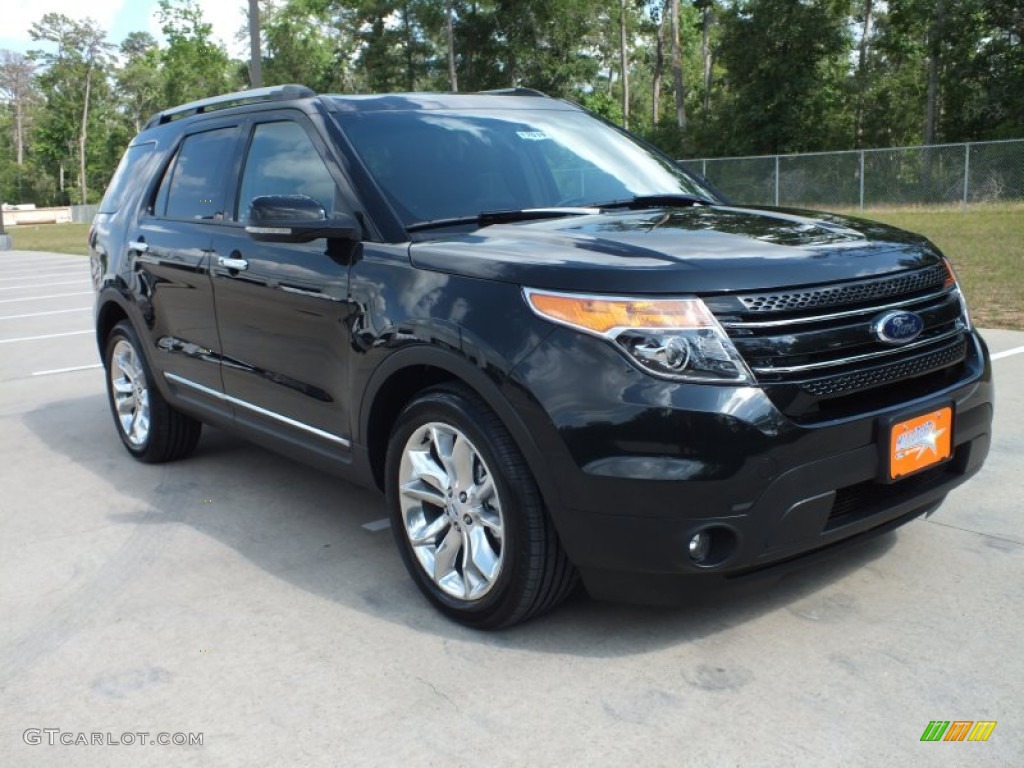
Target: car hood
{"points": [[700, 249]]}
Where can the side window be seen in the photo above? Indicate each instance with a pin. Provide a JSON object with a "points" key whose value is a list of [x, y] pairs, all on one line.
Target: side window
{"points": [[283, 161], [193, 187]]}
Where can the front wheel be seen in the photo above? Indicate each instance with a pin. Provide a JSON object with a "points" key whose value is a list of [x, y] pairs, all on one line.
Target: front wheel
{"points": [[149, 427], [467, 514]]}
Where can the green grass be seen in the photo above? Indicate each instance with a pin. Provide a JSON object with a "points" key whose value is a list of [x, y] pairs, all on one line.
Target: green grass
{"points": [[59, 238], [985, 244]]}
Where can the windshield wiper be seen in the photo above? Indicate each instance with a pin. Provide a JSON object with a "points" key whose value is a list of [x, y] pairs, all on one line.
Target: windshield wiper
{"points": [[639, 202], [499, 217]]}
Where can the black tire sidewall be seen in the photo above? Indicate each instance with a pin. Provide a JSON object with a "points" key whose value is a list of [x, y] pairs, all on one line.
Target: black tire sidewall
{"points": [[453, 409]]}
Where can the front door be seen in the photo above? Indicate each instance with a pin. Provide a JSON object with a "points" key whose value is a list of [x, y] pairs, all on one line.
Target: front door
{"points": [[282, 309]]}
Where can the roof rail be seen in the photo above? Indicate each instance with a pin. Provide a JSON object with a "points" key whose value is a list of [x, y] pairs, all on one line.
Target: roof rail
{"points": [[253, 96], [517, 91]]}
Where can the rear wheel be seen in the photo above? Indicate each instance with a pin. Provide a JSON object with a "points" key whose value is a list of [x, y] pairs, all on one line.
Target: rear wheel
{"points": [[149, 427], [467, 514]]}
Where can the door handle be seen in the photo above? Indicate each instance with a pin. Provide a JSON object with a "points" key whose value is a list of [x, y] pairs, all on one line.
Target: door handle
{"points": [[236, 264], [138, 245]]}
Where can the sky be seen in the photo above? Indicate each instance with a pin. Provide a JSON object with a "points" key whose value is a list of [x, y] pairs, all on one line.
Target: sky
{"points": [[118, 18]]}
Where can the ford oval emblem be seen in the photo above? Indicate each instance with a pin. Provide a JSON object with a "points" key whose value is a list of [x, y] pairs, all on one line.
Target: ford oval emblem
{"points": [[898, 327]]}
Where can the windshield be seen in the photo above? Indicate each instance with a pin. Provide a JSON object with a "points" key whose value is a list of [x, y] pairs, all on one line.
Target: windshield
{"points": [[446, 164]]}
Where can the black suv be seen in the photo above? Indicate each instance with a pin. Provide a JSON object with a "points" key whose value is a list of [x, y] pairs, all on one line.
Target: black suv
{"points": [[557, 353]]}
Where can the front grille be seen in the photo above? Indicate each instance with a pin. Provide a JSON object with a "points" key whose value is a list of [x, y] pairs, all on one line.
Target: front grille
{"points": [[834, 386], [811, 347], [931, 278]]}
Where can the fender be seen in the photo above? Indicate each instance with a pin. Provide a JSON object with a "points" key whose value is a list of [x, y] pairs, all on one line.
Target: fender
{"points": [[477, 379]]}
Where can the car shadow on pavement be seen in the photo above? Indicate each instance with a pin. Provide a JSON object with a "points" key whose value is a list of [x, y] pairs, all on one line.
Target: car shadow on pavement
{"points": [[305, 527]]}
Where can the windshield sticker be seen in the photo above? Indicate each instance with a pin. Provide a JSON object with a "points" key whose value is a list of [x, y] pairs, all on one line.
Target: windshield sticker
{"points": [[533, 135]]}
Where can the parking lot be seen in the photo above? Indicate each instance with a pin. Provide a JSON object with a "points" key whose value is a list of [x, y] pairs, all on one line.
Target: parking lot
{"points": [[257, 602]]}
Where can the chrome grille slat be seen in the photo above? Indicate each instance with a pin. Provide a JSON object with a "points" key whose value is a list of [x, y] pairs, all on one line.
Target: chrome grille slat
{"points": [[874, 355], [788, 346]]}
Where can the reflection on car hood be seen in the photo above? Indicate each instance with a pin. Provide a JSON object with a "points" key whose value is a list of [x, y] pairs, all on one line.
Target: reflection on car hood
{"points": [[678, 250]]}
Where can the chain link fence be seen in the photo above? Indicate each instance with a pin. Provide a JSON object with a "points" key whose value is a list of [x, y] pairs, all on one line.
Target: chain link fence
{"points": [[941, 174], [83, 214]]}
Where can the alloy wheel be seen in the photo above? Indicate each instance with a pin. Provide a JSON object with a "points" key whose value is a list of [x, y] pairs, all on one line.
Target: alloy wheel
{"points": [[130, 392], [451, 511]]}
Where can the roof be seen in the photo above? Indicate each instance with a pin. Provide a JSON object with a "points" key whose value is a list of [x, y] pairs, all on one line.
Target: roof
{"points": [[509, 98]]}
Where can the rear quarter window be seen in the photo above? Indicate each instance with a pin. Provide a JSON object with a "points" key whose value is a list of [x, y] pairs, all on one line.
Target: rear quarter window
{"points": [[193, 185], [132, 173]]}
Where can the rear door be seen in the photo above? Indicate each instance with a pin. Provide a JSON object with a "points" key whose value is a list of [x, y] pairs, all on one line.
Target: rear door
{"points": [[283, 308], [170, 248]]}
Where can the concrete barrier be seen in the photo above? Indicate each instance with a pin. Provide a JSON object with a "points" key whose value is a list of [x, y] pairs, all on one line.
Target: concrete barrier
{"points": [[14, 217]]}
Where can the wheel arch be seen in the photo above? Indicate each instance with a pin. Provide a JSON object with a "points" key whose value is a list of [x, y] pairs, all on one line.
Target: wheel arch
{"points": [[109, 313], [111, 308], [406, 373]]}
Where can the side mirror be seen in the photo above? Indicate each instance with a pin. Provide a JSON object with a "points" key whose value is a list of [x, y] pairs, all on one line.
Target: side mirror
{"points": [[296, 219]]}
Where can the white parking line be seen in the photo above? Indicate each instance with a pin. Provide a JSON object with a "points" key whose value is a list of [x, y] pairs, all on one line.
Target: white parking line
{"points": [[1007, 353], [28, 274], [377, 525], [44, 275], [40, 298], [47, 336], [67, 370], [47, 276], [41, 314], [44, 262], [79, 281]]}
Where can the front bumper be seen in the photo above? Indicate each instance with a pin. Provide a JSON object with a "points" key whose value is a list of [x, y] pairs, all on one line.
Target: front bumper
{"points": [[636, 467]]}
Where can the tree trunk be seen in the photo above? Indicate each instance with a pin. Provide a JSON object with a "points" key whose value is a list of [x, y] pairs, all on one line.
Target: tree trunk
{"points": [[624, 63], [410, 72], [83, 136], [659, 70], [934, 53], [15, 88], [678, 87], [255, 55], [862, 61], [453, 77], [468, 52], [705, 54], [19, 129]]}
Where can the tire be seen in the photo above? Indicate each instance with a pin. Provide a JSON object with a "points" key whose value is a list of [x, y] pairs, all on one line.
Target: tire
{"points": [[149, 427], [467, 515]]}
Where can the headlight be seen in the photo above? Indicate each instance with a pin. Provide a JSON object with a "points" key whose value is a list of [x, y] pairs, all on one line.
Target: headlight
{"points": [[673, 338]]}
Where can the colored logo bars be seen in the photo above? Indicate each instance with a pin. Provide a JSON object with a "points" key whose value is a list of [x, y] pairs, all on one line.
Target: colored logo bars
{"points": [[958, 730]]}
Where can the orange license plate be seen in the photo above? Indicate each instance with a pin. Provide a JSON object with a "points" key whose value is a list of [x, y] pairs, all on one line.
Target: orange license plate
{"points": [[920, 442]]}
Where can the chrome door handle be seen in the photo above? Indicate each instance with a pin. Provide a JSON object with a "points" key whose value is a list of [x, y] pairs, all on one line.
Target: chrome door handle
{"points": [[138, 245], [238, 264]]}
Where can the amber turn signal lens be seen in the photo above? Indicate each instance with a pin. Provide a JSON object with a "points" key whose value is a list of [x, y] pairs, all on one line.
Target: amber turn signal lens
{"points": [[603, 315], [950, 274]]}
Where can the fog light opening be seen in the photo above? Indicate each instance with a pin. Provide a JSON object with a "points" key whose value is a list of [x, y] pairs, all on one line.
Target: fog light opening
{"points": [[710, 547], [700, 547]]}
